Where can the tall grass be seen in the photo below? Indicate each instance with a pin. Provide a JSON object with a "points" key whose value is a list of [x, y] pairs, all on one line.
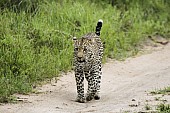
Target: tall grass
{"points": [[36, 41]]}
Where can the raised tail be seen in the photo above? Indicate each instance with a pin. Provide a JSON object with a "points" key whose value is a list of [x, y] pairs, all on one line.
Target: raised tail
{"points": [[98, 27]]}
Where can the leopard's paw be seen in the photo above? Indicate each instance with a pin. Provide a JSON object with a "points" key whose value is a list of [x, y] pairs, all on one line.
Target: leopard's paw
{"points": [[96, 97], [81, 100], [89, 97]]}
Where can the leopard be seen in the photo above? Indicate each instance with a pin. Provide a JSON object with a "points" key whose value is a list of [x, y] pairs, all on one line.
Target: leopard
{"points": [[88, 53]]}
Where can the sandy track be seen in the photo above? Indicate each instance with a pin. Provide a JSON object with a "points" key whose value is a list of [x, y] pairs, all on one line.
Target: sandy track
{"points": [[125, 87]]}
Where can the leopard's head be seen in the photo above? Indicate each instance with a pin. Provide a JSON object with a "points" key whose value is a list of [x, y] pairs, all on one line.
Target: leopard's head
{"points": [[83, 49]]}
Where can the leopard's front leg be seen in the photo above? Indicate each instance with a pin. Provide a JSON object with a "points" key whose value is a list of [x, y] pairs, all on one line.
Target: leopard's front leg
{"points": [[89, 78], [94, 80], [98, 82], [80, 86]]}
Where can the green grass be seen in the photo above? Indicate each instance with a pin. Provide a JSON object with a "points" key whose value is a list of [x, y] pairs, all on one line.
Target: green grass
{"points": [[147, 107], [162, 91], [157, 98], [163, 108], [36, 35]]}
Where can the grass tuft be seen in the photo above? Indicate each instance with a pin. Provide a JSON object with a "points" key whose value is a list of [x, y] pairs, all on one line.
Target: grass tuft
{"points": [[162, 91], [147, 107], [163, 108]]}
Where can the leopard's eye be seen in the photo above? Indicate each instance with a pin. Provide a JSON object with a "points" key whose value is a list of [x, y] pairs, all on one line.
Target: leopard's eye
{"points": [[76, 49], [85, 48]]}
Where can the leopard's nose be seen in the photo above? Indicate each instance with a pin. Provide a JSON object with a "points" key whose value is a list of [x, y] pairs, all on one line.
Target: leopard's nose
{"points": [[79, 55], [80, 58]]}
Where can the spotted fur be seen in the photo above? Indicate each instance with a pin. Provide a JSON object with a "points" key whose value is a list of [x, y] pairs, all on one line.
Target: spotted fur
{"points": [[88, 52]]}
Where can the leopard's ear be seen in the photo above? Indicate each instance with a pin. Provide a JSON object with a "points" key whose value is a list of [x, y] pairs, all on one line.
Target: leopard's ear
{"points": [[74, 38]]}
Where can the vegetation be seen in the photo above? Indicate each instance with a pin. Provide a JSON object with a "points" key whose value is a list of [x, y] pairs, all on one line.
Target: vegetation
{"points": [[147, 107], [162, 91], [36, 35], [164, 108]]}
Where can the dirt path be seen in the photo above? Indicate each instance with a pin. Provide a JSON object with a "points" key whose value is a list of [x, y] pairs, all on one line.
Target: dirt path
{"points": [[125, 88]]}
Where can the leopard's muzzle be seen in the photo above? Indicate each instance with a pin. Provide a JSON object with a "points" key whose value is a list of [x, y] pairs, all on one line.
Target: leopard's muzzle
{"points": [[80, 59]]}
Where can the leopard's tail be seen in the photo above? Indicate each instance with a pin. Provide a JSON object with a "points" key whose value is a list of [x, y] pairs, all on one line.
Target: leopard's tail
{"points": [[98, 27]]}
